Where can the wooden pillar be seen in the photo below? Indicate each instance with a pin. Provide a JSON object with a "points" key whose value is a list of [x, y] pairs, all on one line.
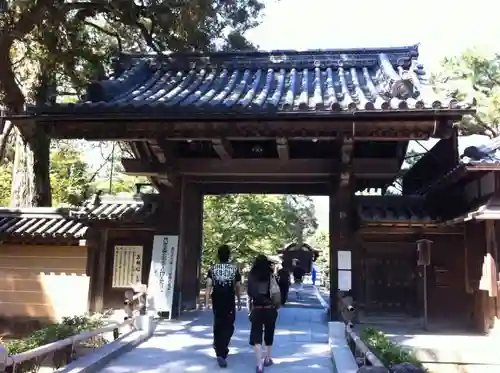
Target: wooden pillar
{"points": [[93, 244], [168, 224], [492, 250], [101, 272], [341, 237], [190, 244]]}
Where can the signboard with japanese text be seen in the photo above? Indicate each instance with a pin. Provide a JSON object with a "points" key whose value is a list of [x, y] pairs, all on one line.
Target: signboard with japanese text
{"points": [[162, 274], [127, 266]]}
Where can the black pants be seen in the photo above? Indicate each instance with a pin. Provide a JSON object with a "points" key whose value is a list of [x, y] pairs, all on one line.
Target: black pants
{"points": [[262, 320], [284, 288], [223, 330]]}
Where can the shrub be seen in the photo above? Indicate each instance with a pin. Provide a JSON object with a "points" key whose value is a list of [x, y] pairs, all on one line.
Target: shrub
{"points": [[68, 327], [388, 352]]}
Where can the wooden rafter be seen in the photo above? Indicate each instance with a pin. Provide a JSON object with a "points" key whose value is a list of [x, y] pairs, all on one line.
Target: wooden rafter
{"points": [[162, 157], [223, 148], [283, 148], [157, 150]]}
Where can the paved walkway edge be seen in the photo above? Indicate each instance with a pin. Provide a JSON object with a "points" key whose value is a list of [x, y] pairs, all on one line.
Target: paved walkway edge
{"points": [[342, 357], [324, 304], [97, 360]]}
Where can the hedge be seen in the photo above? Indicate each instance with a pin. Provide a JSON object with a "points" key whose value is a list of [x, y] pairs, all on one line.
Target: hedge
{"points": [[389, 353], [68, 327]]}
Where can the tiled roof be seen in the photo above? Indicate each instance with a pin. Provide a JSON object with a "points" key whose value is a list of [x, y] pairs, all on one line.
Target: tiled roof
{"points": [[40, 222], [64, 223], [483, 154], [326, 81], [478, 153], [393, 210], [487, 211], [116, 209]]}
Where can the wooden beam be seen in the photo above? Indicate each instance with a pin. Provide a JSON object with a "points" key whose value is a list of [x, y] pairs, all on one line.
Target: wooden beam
{"points": [[282, 147], [322, 127], [261, 179], [419, 230], [223, 148], [281, 188], [361, 167]]}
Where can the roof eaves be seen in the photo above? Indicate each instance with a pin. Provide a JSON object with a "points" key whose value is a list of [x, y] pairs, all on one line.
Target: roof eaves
{"points": [[487, 211]]}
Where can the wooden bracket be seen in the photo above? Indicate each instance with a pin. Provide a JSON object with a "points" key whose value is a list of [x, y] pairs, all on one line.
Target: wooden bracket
{"points": [[283, 148], [223, 148], [346, 150], [163, 160]]}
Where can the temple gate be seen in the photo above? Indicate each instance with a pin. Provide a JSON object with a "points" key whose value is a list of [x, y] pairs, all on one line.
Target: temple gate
{"points": [[327, 123]]}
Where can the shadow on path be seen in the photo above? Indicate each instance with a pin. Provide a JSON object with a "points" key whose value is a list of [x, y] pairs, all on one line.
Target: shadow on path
{"points": [[185, 345]]}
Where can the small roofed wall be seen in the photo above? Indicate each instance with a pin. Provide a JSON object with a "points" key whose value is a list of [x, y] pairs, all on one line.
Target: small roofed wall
{"points": [[442, 158], [41, 284]]}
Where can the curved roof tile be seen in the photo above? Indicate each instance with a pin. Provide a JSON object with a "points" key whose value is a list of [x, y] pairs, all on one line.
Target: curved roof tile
{"points": [[338, 81]]}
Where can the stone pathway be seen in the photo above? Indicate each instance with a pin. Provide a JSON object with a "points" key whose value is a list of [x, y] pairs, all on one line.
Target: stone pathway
{"points": [[182, 346], [308, 298]]}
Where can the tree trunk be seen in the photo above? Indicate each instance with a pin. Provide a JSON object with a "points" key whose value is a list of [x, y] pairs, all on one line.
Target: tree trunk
{"points": [[31, 177], [31, 172]]}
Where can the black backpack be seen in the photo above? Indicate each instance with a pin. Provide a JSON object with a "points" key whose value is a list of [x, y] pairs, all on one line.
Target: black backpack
{"points": [[259, 292]]}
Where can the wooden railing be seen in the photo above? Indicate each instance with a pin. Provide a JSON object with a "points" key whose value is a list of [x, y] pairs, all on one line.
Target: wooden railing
{"points": [[31, 360], [362, 354]]}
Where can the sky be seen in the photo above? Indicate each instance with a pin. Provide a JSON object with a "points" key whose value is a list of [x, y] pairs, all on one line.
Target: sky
{"points": [[441, 27]]}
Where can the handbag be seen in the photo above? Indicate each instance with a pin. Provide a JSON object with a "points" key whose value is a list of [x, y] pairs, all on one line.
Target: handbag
{"points": [[274, 292]]}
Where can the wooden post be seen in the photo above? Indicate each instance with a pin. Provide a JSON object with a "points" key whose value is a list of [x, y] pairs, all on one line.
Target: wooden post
{"points": [[129, 304], [101, 272], [141, 302], [340, 230], [181, 248], [92, 260], [191, 241]]}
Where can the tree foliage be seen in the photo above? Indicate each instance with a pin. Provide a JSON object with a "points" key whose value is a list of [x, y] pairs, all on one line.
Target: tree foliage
{"points": [[474, 76], [321, 241], [64, 44], [73, 179], [254, 224], [50, 48]]}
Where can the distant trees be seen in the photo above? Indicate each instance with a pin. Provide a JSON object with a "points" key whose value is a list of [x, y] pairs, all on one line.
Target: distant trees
{"points": [[255, 223], [474, 76]]}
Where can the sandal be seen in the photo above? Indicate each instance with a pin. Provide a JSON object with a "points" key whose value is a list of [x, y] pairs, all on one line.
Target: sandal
{"points": [[259, 369]]}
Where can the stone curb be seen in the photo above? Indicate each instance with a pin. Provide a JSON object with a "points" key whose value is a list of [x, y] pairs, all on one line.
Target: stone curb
{"points": [[342, 357], [324, 304], [97, 360]]}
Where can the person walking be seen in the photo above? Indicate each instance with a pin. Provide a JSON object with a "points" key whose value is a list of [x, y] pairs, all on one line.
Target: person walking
{"points": [[264, 301], [298, 278], [223, 285], [283, 283], [313, 275]]}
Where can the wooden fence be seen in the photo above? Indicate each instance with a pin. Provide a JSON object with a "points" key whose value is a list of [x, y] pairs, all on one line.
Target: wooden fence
{"points": [[31, 360]]}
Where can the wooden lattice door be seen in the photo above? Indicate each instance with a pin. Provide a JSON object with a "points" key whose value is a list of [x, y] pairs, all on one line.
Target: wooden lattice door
{"points": [[391, 283]]}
